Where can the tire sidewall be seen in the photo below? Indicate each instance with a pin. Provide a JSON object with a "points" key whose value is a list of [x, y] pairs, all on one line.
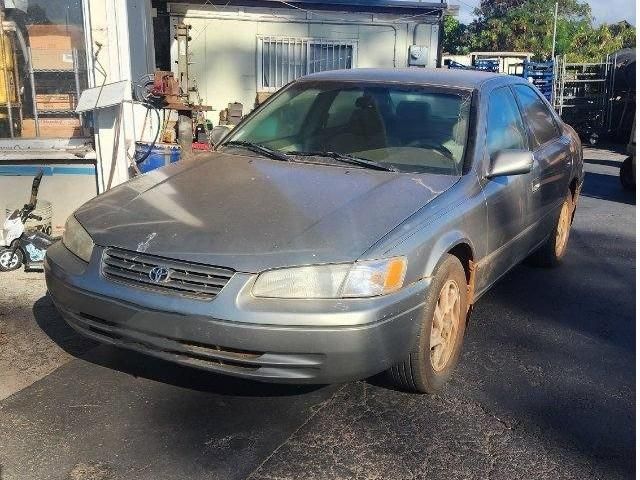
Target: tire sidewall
{"points": [[449, 268], [626, 175]]}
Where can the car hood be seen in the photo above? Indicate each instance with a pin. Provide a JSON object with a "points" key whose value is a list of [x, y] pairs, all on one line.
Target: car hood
{"points": [[251, 213]]}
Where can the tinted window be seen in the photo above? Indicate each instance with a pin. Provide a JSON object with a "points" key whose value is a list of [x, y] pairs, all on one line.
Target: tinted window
{"points": [[538, 116], [505, 130]]}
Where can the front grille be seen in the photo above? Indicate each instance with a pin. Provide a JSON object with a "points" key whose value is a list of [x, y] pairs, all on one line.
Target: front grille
{"points": [[188, 279]]}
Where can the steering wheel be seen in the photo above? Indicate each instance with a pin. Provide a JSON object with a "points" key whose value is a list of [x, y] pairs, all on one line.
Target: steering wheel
{"points": [[441, 149]]}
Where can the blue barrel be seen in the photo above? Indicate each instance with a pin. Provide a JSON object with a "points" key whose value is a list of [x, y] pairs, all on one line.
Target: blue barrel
{"points": [[161, 154]]}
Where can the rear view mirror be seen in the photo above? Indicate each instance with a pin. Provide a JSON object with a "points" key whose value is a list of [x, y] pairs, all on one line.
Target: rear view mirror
{"points": [[510, 162]]}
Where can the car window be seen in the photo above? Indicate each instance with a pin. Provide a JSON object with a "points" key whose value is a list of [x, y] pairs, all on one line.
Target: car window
{"points": [[505, 130], [537, 114], [410, 128]]}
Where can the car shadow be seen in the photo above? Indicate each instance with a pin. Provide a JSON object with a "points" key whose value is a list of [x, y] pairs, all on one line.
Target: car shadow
{"points": [[606, 187], [144, 366], [554, 351], [603, 162]]}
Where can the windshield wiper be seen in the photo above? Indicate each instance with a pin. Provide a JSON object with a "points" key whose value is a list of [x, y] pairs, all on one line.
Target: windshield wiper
{"points": [[346, 158], [258, 148]]}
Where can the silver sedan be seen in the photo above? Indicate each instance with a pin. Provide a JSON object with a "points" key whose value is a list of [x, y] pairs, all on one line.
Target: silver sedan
{"points": [[345, 228]]}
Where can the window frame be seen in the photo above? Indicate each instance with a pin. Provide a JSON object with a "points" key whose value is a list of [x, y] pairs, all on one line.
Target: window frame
{"points": [[534, 145], [303, 42]]}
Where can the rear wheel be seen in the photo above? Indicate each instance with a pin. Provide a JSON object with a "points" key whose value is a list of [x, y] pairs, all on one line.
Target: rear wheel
{"points": [[550, 254], [437, 348], [9, 261], [626, 175]]}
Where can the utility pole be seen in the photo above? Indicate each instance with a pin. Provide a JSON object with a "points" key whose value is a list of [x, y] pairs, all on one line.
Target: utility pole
{"points": [[555, 28]]}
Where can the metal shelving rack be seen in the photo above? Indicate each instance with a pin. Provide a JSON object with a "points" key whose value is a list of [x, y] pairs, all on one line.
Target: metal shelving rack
{"points": [[34, 72], [582, 93]]}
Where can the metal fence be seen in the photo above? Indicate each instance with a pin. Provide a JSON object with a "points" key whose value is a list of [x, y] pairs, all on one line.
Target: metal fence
{"points": [[284, 59]]}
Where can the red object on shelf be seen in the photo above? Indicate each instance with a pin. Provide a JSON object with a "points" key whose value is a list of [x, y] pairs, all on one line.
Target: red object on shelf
{"points": [[201, 146]]}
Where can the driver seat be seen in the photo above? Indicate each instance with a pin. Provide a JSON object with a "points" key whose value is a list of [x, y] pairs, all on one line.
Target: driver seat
{"points": [[364, 131]]}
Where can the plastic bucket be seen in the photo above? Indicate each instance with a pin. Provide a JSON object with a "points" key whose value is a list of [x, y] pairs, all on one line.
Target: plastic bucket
{"points": [[161, 154]]}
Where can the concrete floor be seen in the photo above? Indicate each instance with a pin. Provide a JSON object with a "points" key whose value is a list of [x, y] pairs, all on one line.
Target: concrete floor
{"points": [[545, 388]]}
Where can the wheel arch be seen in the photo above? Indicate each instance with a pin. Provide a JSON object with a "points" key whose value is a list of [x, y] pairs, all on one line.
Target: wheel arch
{"points": [[573, 188], [453, 243]]}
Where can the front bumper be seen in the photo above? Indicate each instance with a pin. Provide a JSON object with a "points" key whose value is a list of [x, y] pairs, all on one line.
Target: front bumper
{"points": [[285, 341]]}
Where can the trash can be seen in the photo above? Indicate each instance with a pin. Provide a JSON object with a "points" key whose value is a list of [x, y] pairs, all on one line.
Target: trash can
{"points": [[161, 154]]}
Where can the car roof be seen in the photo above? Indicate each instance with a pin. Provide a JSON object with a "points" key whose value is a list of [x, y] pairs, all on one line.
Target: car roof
{"points": [[466, 79]]}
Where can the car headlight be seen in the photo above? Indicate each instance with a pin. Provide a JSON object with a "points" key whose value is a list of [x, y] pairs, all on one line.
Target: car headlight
{"points": [[346, 280], [77, 240]]}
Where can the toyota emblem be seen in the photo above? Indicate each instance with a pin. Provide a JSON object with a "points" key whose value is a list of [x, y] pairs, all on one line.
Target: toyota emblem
{"points": [[159, 274]]}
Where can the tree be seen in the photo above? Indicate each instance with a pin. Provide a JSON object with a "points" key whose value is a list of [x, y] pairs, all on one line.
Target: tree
{"points": [[456, 37], [527, 25]]}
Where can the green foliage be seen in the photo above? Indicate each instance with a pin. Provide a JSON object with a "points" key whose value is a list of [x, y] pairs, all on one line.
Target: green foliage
{"points": [[456, 37], [527, 26]]}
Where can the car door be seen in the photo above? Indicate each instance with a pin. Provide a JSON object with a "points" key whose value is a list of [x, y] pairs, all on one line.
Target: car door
{"points": [[506, 196], [552, 161]]}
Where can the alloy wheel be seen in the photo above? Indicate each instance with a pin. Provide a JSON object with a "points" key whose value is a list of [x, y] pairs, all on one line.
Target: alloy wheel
{"points": [[562, 231], [445, 325]]}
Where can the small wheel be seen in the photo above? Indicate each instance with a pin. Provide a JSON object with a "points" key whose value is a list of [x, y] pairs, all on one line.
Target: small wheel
{"points": [[10, 262], [626, 175], [437, 348], [551, 253]]}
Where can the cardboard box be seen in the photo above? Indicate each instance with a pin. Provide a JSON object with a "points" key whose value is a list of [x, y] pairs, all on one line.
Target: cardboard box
{"points": [[52, 128], [52, 59], [56, 101], [54, 37], [52, 46]]}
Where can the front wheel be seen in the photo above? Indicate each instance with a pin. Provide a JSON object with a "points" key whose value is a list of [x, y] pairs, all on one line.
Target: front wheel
{"points": [[437, 349], [9, 261]]}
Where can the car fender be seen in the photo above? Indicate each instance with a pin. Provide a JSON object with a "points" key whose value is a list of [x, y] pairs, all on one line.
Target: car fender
{"points": [[443, 245], [455, 218]]}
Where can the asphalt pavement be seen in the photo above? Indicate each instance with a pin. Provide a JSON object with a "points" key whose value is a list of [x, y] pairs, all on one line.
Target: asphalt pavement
{"points": [[545, 389]]}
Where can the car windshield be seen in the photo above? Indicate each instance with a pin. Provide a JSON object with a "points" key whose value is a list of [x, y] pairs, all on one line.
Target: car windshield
{"points": [[403, 128]]}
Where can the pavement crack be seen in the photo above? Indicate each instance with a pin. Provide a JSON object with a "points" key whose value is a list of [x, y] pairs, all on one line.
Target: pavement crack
{"points": [[314, 413]]}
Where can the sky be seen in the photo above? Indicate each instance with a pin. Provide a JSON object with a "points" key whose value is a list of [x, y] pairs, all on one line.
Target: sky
{"points": [[609, 11]]}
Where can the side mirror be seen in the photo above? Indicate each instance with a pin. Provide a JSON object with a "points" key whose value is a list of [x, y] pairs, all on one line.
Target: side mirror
{"points": [[510, 162]]}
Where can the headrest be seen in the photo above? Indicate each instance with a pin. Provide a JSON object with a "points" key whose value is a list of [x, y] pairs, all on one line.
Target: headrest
{"points": [[366, 101]]}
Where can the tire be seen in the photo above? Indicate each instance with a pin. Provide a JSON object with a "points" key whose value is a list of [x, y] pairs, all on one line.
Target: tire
{"points": [[424, 371], [551, 253], [9, 262], [626, 175]]}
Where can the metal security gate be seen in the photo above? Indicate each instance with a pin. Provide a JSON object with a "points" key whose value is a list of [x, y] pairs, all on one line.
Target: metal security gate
{"points": [[281, 60]]}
